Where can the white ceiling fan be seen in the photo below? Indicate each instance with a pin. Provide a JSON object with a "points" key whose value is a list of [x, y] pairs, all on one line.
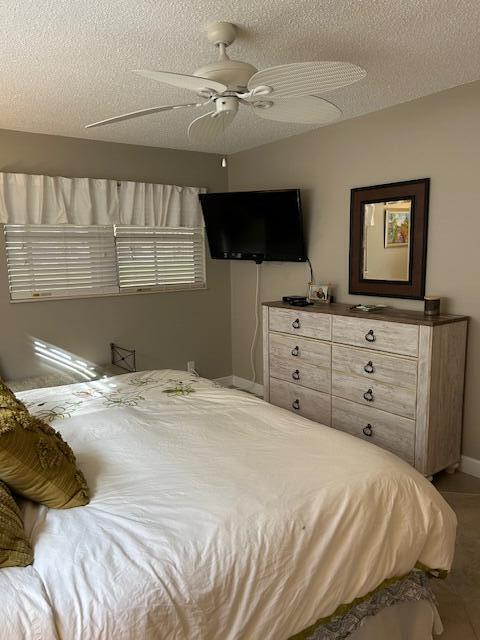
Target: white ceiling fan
{"points": [[286, 93]]}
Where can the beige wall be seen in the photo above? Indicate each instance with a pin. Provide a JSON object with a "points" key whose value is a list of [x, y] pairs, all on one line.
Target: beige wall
{"points": [[166, 329], [436, 137]]}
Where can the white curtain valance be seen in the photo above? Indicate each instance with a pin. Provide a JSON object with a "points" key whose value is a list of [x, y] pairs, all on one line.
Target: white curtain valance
{"points": [[159, 205], [36, 199]]}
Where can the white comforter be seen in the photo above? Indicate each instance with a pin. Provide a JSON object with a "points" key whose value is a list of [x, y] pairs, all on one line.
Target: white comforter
{"points": [[214, 516]]}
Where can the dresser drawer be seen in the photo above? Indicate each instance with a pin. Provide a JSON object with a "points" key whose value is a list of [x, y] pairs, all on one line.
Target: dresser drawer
{"points": [[376, 334], [301, 374], [305, 402], [300, 323], [383, 429], [375, 366], [378, 395], [300, 350]]}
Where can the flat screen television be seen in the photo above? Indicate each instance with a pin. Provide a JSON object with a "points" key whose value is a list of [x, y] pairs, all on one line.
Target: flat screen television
{"points": [[254, 225]]}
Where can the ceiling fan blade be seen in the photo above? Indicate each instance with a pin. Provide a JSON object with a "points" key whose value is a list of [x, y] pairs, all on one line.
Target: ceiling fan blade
{"points": [[210, 125], [306, 78], [301, 110], [194, 83], [142, 112]]}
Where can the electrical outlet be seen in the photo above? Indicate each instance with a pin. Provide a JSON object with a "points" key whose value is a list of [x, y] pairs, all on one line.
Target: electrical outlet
{"points": [[191, 366]]}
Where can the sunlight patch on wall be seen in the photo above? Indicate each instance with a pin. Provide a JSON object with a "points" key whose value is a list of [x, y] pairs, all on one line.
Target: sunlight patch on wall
{"points": [[62, 360]]}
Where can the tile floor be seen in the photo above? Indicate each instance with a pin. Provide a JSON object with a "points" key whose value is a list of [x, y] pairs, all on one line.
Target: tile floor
{"points": [[459, 595]]}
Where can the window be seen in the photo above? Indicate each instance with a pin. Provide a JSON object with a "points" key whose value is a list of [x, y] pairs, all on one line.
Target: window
{"points": [[60, 261], [160, 258], [66, 261]]}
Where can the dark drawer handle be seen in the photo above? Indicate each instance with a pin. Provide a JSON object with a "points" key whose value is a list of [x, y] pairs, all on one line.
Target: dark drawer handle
{"points": [[369, 368], [368, 395], [296, 374], [368, 430], [370, 336], [296, 324], [295, 351], [296, 405]]}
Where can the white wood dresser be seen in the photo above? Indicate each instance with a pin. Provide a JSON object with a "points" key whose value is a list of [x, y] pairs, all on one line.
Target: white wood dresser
{"points": [[393, 378]]}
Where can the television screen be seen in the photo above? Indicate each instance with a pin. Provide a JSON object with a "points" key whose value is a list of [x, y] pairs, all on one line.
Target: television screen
{"points": [[254, 225]]}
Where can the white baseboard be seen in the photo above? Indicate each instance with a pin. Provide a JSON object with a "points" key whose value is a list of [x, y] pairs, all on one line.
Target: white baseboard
{"points": [[226, 381], [241, 383], [248, 385], [470, 466]]}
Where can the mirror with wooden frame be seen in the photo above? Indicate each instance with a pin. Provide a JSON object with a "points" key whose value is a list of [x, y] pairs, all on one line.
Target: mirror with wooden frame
{"points": [[388, 239]]}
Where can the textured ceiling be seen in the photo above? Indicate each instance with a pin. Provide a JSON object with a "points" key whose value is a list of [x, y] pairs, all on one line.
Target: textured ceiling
{"points": [[65, 63]]}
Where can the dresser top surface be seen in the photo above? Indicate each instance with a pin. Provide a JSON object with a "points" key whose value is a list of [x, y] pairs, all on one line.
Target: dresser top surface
{"points": [[388, 314]]}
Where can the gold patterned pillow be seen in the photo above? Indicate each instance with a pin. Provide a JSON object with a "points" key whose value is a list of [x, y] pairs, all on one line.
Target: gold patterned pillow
{"points": [[34, 460], [15, 550]]}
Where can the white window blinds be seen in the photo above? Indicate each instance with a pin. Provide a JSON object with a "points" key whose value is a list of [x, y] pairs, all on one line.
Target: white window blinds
{"points": [[160, 258], [60, 261]]}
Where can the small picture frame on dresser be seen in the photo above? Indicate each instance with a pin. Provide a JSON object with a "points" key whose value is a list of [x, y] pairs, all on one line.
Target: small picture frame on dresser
{"points": [[319, 293]]}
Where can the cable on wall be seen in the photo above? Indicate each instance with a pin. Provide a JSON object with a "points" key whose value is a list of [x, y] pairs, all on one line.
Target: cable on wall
{"points": [[312, 279], [257, 322]]}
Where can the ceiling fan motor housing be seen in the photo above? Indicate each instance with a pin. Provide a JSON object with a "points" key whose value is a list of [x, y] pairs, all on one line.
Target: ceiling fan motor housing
{"points": [[233, 73]]}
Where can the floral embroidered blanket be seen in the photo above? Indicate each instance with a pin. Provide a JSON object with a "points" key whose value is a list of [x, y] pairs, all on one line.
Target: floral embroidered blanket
{"points": [[214, 516]]}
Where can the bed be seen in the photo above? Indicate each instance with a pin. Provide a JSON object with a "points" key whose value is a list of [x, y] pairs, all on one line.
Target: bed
{"points": [[216, 516]]}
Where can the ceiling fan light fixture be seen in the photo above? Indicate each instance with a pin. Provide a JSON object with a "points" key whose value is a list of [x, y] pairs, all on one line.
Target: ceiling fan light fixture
{"points": [[226, 103]]}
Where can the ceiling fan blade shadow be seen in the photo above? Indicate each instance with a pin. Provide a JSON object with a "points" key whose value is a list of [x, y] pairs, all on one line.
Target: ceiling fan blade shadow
{"points": [[301, 110], [142, 112], [210, 125], [193, 83], [306, 78]]}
